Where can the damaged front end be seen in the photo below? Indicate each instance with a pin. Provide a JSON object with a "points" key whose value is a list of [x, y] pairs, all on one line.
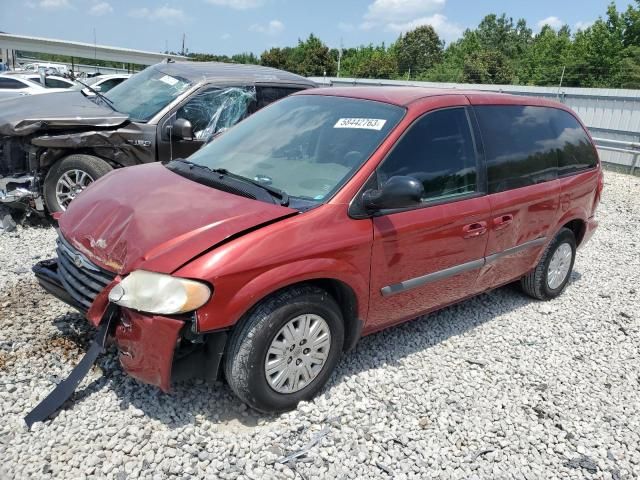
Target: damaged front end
{"points": [[19, 186], [154, 349]]}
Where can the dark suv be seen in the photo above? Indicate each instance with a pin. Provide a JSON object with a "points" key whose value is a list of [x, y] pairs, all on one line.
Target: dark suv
{"points": [[52, 146]]}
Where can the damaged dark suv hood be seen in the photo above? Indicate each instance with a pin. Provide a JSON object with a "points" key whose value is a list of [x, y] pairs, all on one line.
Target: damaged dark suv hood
{"points": [[54, 111], [147, 217]]}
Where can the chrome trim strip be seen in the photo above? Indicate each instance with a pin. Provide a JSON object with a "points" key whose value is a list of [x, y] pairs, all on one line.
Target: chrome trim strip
{"points": [[457, 269], [518, 248], [431, 277]]}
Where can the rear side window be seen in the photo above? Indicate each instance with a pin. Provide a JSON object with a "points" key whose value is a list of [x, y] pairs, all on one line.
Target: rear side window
{"points": [[267, 95], [109, 84], [438, 150], [576, 152], [11, 84], [55, 83], [521, 145]]}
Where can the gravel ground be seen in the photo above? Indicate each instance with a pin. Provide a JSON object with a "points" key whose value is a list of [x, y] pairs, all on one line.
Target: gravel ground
{"points": [[497, 387]]}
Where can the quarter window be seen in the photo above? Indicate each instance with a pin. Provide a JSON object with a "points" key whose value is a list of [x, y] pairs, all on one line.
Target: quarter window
{"points": [[576, 152], [521, 145], [438, 150]]}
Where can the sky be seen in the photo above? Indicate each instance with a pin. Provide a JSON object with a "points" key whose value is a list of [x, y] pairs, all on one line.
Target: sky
{"points": [[234, 26]]}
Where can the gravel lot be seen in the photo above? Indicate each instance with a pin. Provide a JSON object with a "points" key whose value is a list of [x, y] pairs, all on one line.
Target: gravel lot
{"points": [[500, 386]]}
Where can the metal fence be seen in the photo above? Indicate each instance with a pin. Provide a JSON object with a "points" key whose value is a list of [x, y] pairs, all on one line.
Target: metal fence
{"points": [[612, 115]]}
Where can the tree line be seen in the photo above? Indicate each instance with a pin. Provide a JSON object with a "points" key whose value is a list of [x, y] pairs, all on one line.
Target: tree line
{"points": [[498, 51]]}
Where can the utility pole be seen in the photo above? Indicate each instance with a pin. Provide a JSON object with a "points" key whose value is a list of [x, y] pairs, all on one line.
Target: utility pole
{"points": [[561, 78], [183, 39], [339, 57], [95, 49]]}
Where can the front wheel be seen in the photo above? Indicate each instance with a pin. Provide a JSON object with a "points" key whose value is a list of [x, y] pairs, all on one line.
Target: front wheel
{"points": [[285, 349], [68, 177], [552, 273]]}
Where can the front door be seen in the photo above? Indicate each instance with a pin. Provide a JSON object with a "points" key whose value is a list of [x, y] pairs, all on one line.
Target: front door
{"points": [[430, 256]]}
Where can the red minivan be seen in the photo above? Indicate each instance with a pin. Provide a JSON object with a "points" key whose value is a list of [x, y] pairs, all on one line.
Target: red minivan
{"points": [[329, 215]]}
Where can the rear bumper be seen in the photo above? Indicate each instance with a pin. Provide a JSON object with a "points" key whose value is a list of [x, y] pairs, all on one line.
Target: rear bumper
{"points": [[147, 343]]}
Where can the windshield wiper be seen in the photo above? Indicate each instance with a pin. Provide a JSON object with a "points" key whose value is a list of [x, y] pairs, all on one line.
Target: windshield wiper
{"points": [[97, 93], [281, 196], [275, 192]]}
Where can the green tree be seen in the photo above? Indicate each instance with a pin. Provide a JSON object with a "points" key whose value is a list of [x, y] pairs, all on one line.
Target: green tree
{"points": [[312, 58], [629, 68], [546, 56], [593, 59], [369, 62], [490, 67], [418, 50], [276, 58]]}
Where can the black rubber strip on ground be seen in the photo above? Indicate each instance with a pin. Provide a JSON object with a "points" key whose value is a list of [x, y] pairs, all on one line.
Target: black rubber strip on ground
{"points": [[65, 389]]}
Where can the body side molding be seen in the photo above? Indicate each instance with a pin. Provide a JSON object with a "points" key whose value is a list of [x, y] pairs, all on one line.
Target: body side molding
{"points": [[457, 269]]}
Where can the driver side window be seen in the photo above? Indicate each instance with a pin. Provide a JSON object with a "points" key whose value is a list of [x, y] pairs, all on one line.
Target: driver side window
{"points": [[216, 109], [437, 150]]}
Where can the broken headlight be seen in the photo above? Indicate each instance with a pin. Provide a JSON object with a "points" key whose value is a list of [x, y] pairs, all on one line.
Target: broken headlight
{"points": [[159, 293]]}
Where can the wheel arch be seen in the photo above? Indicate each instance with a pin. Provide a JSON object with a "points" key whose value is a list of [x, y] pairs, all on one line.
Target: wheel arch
{"points": [[578, 226], [344, 295], [349, 289]]}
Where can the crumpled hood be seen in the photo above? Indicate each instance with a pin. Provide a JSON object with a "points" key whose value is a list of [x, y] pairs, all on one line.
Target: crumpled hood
{"points": [[54, 111], [147, 217]]}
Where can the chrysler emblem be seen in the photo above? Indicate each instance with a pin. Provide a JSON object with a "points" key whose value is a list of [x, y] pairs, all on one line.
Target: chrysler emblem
{"points": [[78, 261]]}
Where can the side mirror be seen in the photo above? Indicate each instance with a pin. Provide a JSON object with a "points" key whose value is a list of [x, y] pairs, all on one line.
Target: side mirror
{"points": [[97, 88], [181, 129], [397, 192]]}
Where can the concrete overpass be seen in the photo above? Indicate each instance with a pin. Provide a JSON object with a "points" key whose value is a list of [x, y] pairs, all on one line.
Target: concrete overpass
{"points": [[9, 43]]}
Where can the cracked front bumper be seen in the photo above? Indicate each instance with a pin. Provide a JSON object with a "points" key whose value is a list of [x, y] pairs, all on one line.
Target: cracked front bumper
{"points": [[152, 348], [146, 343]]}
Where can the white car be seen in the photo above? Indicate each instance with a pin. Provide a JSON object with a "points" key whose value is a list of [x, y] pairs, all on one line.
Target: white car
{"points": [[102, 83], [52, 68], [17, 85], [50, 81]]}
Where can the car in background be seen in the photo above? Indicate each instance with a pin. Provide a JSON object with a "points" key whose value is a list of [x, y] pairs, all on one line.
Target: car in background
{"points": [[50, 68], [18, 86], [102, 83], [50, 81], [53, 146]]}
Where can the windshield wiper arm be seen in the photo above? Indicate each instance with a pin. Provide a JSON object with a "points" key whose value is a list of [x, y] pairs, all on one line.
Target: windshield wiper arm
{"points": [[107, 100], [276, 192]]}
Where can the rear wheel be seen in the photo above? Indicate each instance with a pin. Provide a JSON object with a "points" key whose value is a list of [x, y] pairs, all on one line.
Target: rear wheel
{"points": [[552, 273], [69, 177], [285, 349]]}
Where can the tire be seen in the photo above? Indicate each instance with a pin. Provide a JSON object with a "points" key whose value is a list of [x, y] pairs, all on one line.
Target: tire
{"points": [[91, 166], [537, 283], [245, 361]]}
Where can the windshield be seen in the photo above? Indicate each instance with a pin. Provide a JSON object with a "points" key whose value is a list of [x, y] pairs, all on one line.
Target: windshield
{"points": [[306, 145], [146, 93]]}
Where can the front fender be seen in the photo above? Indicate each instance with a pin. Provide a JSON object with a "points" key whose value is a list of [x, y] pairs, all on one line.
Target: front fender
{"points": [[233, 297]]}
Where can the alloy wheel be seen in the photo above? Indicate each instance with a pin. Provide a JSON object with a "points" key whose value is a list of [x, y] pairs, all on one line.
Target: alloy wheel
{"points": [[69, 186]]}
